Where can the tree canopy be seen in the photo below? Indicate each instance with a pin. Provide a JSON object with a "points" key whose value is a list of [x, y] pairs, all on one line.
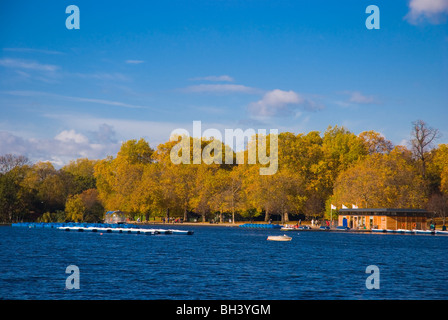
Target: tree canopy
{"points": [[314, 170]]}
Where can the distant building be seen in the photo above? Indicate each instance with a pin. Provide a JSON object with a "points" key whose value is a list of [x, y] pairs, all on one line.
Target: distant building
{"points": [[115, 217], [383, 218]]}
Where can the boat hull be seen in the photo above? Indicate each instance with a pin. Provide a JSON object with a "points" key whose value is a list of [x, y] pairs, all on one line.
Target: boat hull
{"points": [[279, 238]]}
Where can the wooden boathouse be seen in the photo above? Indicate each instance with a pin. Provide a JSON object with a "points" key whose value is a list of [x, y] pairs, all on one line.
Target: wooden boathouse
{"points": [[383, 218]]}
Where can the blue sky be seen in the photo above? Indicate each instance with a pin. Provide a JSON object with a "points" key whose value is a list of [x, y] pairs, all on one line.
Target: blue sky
{"points": [[144, 68]]}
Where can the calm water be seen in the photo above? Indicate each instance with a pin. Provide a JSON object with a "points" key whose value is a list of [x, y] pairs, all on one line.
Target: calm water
{"points": [[221, 263]]}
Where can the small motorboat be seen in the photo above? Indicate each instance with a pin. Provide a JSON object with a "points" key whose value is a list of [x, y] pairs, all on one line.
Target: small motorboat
{"points": [[424, 231], [286, 228], [279, 238], [404, 231]]}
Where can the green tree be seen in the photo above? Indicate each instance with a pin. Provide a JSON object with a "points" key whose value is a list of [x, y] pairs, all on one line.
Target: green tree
{"points": [[75, 209], [81, 172]]}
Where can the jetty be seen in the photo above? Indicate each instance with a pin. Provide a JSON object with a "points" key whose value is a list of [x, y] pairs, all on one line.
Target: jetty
{"points": [[261, 225], [102, 228], [128, 230]]}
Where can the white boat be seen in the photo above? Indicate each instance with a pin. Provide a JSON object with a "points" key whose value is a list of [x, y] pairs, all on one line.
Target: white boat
{"points": [[174, 231], [279, 238], [441, 232], [378, 230], [288, 228], [404, 231], [423, 231]]}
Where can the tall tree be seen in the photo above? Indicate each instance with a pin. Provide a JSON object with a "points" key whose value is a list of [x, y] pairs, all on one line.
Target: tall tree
{"points": [[381, 180], [82, 174], [422, 138], [117, 179], [438, 203], [10, 161]]}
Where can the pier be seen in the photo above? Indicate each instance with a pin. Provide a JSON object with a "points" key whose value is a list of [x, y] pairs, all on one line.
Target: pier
{"points": [[102, 228]]}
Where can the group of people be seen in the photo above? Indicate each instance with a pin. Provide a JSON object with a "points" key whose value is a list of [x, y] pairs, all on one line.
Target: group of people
{"points": [[172, 220]]}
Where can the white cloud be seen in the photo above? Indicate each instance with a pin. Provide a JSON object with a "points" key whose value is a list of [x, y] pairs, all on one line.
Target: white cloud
{"points": [[221, 88], [134, 61], [280, 103], [71, 136], [358, 97], [65, 146], [433, 11], [26, 64], [224, 78]]}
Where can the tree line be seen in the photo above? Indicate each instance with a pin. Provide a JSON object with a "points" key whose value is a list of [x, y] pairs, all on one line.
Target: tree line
{"points": [[315, 170]]}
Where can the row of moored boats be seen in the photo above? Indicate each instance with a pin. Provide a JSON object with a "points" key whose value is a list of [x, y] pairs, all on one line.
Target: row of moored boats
{"points": [[413, 231]]}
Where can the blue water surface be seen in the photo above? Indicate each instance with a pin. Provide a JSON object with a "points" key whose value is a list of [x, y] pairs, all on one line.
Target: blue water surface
{"points": [[220, 263]]}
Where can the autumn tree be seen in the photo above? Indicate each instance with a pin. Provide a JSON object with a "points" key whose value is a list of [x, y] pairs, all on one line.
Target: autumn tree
{"points": [[376, 142], [75, 209], [381, 180], [117, 178], [281, 194], [341, 149], [94, 210], [438, 203]]}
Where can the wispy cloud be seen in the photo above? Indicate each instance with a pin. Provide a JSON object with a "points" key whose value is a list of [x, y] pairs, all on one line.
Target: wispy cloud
{"points": [[221, 88], [78, 99], [27, 64], [433, 11], [103, 76], [356, 98], [30, 50], [134, 61], [223, 78]]}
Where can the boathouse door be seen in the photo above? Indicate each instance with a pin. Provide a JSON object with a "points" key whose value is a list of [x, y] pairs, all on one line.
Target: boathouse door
{"points": [[344, 222]]}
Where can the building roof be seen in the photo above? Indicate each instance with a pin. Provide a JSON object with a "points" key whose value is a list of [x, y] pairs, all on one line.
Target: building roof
{"points": [[385, 212], [116, 212]]}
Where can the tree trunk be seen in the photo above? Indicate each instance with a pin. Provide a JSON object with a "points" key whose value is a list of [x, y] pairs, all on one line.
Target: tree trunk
{"points": [[185, 215], [267, 216], [285, 216], [167, 216]]}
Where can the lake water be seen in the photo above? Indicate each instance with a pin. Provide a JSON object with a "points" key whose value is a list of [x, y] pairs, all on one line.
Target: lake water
{"points": [[221, 263]]}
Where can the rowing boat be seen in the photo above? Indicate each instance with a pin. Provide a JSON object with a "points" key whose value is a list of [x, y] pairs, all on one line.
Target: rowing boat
{"points": [[279, 238]]}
